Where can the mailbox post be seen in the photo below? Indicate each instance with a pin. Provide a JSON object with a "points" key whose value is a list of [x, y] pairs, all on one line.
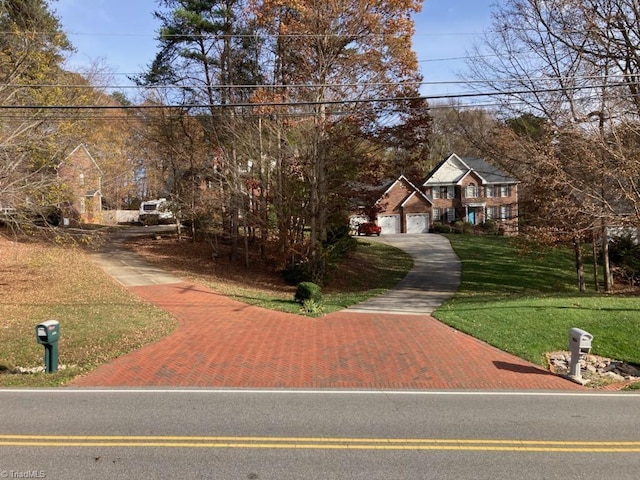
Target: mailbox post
{"points": [[579, 345], [47, 334]]}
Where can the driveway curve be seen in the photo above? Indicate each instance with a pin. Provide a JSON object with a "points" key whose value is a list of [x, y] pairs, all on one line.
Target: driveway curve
{"points": [[435, 276], [390, 342]]}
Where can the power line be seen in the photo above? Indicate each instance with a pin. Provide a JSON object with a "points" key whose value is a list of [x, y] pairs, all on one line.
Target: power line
{"points": [[526, 91], [516, 80], [260, 35]]}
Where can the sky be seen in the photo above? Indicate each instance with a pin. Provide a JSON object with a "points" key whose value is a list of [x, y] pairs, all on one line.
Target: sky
{"points": [[121, 34]]}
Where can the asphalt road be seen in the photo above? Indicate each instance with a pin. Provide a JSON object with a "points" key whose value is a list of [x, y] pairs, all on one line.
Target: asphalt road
{"points": [[241, 434]]}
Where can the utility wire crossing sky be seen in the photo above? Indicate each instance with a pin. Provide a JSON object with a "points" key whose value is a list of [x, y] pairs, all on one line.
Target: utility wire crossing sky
{"points": [[122, 34]]}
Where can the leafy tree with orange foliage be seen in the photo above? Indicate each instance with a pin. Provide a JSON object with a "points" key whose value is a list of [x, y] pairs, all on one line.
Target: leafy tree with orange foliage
{"points": [[337, 62]]}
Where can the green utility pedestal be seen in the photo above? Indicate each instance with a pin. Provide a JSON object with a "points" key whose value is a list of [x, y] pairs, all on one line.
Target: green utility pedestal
{"points": [[47, 334]]}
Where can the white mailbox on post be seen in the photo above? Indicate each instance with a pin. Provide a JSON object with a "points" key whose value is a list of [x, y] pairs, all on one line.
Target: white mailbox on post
{"points": [[579, 345]]}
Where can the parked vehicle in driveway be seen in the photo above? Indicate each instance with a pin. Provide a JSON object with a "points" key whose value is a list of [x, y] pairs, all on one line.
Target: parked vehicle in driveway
{"points": [[155, 212], [369, 228]]}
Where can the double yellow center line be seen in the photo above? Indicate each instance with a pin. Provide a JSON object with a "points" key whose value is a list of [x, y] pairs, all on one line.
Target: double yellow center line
{"points": [[318, 443]]}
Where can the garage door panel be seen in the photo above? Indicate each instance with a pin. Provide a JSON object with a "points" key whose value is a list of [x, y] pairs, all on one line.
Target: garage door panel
{"points": [[390, 224], [417, 223]]}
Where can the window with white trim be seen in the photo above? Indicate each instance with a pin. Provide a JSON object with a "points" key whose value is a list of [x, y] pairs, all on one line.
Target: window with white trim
{"points": [[435, 192], [505, 212], [505, 190], [451, 214], [451, 193], [492, 213], [436, 215], [471, 191], [489, 191]]}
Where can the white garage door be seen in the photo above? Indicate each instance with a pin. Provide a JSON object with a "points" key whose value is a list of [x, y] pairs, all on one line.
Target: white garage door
{"points": [[390, 224], [417, 222]]}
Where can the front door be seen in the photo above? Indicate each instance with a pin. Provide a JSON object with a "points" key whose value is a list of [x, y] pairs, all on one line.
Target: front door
{"points": [[471, 217]]}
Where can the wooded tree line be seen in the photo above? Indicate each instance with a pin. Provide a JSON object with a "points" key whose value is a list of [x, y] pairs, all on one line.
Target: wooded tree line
{"points": [[262, 120], [273, 111], [37, 126], [257, 118]]}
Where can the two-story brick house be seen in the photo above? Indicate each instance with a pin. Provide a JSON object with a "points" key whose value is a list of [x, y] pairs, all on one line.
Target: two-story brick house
{"points": [[474, 191], [457, 189], [82, 178]]}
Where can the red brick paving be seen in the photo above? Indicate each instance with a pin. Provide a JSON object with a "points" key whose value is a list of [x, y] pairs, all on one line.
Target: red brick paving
{"points": [[224, 343]]}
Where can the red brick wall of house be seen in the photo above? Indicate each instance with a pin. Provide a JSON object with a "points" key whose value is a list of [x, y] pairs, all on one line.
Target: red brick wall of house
{"points": [[80, 175], [392, 202], [460, 201], [417, 204]]}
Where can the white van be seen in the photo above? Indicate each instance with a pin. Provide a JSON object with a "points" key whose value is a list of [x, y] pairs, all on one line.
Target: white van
{"points": [[155, 212]]}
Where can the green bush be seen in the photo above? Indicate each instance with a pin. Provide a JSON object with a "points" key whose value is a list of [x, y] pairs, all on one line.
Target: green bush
{"points": [[439, 227], [307, 291], [624, 253], [462, 227], [339, 244], [490, 227]]}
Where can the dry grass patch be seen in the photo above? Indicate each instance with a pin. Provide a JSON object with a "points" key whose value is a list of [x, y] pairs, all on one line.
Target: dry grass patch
{"points": [[99, 319]]}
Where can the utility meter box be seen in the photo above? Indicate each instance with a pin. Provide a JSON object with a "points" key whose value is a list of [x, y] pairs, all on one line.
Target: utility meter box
{"points": [[47, 333]]}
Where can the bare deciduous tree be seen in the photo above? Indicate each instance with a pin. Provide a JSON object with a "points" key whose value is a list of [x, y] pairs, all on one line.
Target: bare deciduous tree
{"points": [[574, 65]]}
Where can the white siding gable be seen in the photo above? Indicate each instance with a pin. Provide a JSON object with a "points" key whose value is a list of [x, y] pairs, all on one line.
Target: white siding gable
{"points": [[449, 173]]}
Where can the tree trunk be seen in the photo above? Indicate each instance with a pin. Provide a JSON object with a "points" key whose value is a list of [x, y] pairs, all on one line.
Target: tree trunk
{"points": [[606, 266], [579, 264], [264, 188], [594, 251]]}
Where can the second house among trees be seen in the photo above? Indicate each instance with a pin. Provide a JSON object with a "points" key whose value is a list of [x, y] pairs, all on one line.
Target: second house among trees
{"points": [[469, 190]]}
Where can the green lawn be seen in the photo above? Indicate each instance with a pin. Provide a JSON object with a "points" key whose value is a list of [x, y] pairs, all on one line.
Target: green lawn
{"points": [[525, 304]]}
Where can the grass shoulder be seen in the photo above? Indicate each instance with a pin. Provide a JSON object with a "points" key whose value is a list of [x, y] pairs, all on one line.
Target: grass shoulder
{"points": [[99, 319]]}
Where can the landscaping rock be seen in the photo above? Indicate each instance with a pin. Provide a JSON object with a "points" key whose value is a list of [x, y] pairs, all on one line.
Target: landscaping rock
{"points": [[597, 371], [32, 370]]}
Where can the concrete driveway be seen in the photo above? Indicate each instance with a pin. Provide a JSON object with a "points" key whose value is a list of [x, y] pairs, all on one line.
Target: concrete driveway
{"points": [[434, 278], [128, 268]]}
